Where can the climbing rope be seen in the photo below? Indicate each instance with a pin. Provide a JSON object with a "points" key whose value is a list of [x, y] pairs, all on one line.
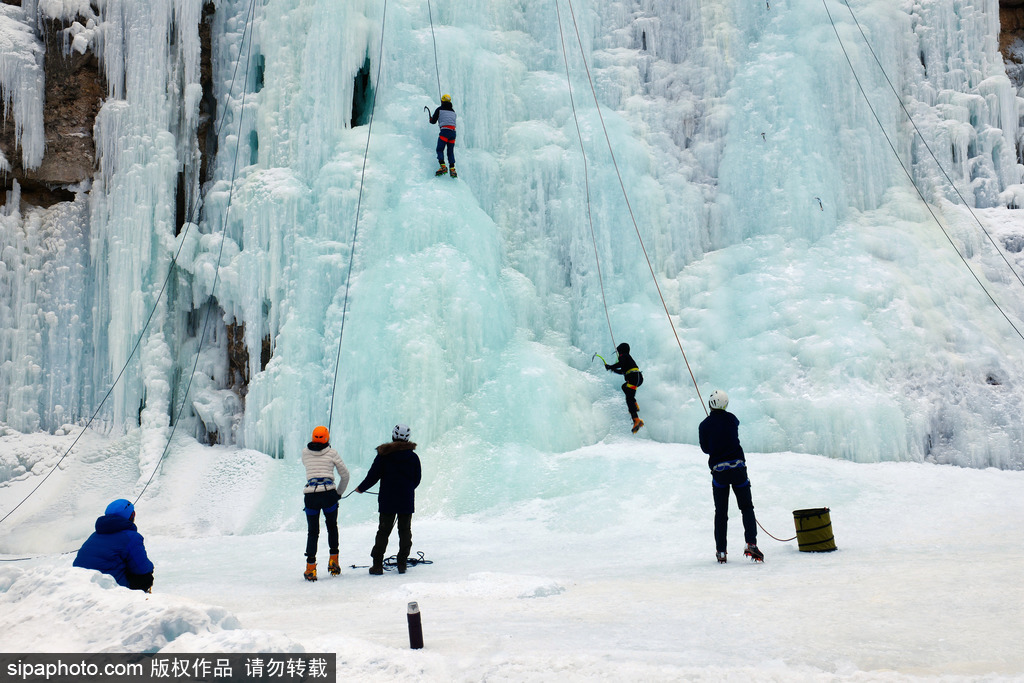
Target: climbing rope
{"points": [[163, 288], [781, 540], [928, 147], [586, 176], [911, 177], [372, 493], [220, 255], [437, 70], [391, 563], [625, 195], [359, 203]]}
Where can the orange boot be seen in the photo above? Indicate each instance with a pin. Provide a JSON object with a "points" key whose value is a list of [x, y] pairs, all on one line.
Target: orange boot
{"points": [[333, 567], [310, 573]]}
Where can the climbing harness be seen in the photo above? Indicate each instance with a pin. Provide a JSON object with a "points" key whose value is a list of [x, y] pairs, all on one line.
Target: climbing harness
{"points": [[931, 211], [618, 173], [728, 465], [317, 482]]}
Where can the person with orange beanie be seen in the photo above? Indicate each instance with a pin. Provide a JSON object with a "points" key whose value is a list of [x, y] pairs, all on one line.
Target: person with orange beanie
{"points": [[322, 492]]}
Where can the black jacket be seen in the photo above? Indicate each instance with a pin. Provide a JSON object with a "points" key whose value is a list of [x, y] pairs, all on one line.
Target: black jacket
{"points": [[397, 468], [627, 367], [720, 437]]}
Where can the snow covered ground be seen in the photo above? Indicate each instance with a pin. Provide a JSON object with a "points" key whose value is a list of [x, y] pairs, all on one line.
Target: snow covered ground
{"points": [[613, 579]]}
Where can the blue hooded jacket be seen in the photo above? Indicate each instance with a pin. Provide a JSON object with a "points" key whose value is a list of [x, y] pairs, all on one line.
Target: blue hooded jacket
{"points": [[116, 548]]}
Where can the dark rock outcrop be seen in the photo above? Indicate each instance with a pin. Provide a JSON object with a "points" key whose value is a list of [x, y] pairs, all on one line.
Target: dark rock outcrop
{"points": [[74, 91], [1011, 38]]}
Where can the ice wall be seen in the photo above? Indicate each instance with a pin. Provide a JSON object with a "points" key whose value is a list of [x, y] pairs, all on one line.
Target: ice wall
{"points": [[21, 82], [802, 271], [767, 196], [83, 279]]}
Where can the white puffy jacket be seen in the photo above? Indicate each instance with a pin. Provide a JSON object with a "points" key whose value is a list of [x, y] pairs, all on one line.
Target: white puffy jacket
{"points": [[320, 465]]}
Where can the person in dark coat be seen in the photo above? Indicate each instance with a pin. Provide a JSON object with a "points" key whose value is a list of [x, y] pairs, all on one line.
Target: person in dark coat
{"points": [[117, 548], [719, 438], [397, 468], [444, 117], [627, 367]]}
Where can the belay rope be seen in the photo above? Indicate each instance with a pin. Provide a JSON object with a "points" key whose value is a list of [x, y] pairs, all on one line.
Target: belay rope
{"points": [[622, 185], [220, 256], [909, 175], [359, 204], [437, 70], [586, 177]]}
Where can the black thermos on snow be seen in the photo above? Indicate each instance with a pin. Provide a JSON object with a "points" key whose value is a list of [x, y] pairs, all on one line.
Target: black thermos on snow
{"points": [[415, 627]]}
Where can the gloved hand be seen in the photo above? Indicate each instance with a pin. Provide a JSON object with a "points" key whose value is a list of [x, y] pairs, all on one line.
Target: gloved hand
{"points": [[607, 367]]}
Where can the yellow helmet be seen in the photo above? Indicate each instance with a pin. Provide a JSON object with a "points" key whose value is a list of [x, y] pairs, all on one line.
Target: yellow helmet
{"points": [[446, 98]]}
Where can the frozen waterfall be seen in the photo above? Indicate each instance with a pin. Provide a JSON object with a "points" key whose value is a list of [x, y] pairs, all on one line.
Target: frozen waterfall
{"points": [[802, 271]]}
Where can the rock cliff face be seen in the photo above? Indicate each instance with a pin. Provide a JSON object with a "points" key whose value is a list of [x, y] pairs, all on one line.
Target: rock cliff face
{"points": [[74, 91], [1011, 38]]}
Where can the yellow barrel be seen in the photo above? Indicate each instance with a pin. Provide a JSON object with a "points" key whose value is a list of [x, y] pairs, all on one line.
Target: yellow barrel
{"points": [[814, 530]]}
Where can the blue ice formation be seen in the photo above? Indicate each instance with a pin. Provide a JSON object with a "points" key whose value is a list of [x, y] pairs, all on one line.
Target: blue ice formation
{"points": [[802, 271]]}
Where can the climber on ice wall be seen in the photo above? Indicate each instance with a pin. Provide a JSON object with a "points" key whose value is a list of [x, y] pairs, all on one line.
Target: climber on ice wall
{"points": [[444, 116]]}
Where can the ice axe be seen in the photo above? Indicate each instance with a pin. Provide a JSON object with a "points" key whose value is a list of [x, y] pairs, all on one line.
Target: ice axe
{"points": [[597, 355]]}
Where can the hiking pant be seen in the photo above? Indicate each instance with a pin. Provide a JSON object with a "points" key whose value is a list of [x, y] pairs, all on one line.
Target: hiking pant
{"points": [[380, 544], [630, 393], [315, 502], [721, 482], [446, 141]]}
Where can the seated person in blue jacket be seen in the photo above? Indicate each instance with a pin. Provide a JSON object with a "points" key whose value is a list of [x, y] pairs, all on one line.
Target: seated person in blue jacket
{"points": [[116, 548]]}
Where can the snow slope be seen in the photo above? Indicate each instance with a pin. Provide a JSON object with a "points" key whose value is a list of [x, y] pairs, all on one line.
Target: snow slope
{"points": [[612, 580]]}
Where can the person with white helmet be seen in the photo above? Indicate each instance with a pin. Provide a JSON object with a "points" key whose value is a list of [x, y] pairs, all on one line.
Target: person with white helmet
{"points": [[322, 492], [397, 468], [444, 117], [719, 438]]}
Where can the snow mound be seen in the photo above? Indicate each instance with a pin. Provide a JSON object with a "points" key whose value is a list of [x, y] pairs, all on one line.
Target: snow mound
{"points": [[238, 640], [80, 610], [485, 585]]}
